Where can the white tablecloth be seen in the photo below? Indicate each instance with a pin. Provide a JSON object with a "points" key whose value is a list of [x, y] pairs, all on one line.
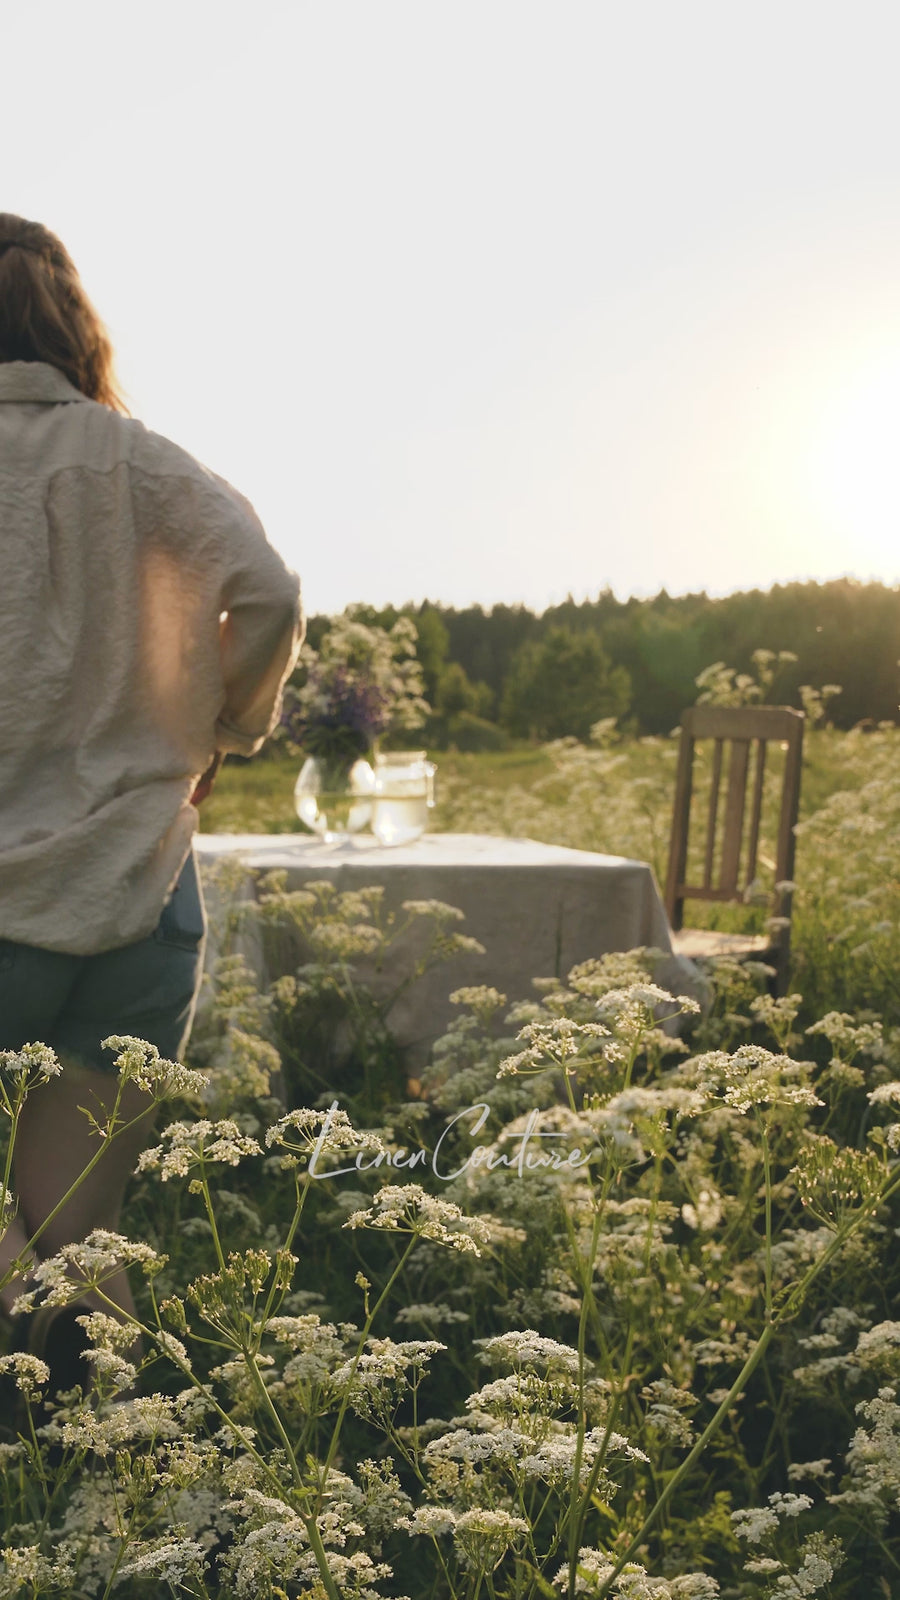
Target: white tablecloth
{"points": [[538, 909]]}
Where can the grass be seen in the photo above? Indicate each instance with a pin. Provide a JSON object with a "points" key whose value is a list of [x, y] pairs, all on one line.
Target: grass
{"points": [[256, 796], [617, 799]]}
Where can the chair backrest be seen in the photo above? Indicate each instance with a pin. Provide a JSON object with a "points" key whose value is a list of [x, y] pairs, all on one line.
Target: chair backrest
{"points": [[723, 876]]}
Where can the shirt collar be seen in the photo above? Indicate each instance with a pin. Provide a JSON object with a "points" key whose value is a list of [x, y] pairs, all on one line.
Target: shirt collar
{"points": [[35, 381]]}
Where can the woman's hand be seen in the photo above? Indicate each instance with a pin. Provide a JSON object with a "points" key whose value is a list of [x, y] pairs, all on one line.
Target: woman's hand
{"points": [[205, 783]]}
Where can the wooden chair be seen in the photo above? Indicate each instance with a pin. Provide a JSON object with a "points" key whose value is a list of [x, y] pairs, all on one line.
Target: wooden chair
{"points": [[723, 878]]}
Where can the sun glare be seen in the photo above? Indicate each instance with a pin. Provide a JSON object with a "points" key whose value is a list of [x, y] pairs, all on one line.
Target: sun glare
{"points": [[856, 466]]}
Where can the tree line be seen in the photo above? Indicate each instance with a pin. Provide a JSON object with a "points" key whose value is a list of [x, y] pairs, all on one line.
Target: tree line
{"points": [[507, 670]]}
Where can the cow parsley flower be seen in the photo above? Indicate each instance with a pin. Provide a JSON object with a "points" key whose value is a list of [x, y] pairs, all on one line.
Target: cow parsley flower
{"points": [[707, 1213], [431, 1315], [184, 1145], [85, 1265], [433, 1520], [385, 1370], [29, 1373], [755, 1523], [530, 1350], [407, 1208], [33, 1064], [558, 1043], [482, 1537], [141, 1063], [305, 1134], [173, 1561], [28, 1566]]}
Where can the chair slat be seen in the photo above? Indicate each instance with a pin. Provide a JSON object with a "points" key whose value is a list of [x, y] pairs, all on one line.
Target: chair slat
{"points": [[784, 860], [742, 722], [756, 809], [713, 814], [734, 814]]}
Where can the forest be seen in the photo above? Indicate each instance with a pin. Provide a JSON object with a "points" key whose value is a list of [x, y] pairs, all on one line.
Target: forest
{"points": [[509, 671]]}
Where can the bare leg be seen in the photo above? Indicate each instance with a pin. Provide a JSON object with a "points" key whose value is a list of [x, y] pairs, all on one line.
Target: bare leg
{"points": [[54, 1145], [13, 1246]]}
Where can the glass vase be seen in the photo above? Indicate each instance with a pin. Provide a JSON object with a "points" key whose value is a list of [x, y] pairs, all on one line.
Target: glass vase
{"points": [[333, 796], [404, 795]]}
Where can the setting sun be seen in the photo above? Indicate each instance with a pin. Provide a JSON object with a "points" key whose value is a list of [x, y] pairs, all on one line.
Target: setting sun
{"points": [[855, 466]]}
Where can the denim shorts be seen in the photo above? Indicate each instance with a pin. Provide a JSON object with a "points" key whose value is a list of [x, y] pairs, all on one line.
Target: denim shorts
{"points": [[148, 989]]}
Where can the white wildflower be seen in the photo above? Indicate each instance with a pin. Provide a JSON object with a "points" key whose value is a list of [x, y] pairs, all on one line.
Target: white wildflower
{"points": [[64, 1277], [381, 1373], [28, 1566], [479, 998], [886, 1094], [185, 1145], [527, 1348], [592, 1568], [32, 1065], [432, 1315], [799, 1471], [554, 1460], [141, 1063], [28, 1371], [482, 1537], [310, 1135], [754, 1523], [707, 1213], [757, 1522], [171, 1560], [408, 1208], [558, 1042], [146, 1418], [434, 908], [173, 1347], [433, 1520]]}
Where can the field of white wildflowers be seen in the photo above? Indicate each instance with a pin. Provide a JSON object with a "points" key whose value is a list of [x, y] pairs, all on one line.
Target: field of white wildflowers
{"points": [[606, 1311]]}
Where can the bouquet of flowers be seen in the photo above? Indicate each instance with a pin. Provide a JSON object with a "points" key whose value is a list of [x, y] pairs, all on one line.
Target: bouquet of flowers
{"points": [[363, 682]]}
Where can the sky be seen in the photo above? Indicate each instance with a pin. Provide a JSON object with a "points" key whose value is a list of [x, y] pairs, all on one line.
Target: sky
{"points": [[494, 300]]}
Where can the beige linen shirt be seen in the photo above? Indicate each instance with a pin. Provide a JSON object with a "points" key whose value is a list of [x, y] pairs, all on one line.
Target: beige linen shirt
{"points": [[145, 622]]}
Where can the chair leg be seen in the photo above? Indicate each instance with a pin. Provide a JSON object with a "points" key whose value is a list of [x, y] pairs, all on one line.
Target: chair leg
{"points": [[779, 983]]}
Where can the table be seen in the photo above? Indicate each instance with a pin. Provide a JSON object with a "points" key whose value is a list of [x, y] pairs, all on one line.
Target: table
{"points": [[538, 909]]}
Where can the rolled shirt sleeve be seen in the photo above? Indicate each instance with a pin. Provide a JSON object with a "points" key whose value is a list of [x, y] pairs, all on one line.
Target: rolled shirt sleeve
{"points": [[261, 631]]}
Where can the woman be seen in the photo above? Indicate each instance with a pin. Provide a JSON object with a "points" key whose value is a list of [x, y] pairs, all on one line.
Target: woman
{"points": [[146, 628]]}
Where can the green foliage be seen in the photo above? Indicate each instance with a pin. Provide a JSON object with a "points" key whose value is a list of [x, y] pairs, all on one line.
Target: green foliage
{"points": [[841, 632], [472, 734], [433, 642], [457, 694], [614, 795], [563, 685], [627, 1330]]}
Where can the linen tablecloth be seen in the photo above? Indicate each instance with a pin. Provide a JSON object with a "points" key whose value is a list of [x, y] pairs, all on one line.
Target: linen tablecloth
{"points": [[538, 909]]}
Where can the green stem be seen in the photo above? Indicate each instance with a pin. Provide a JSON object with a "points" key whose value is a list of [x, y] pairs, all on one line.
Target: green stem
{"points": [[586, 1283], [269, 1407], [187, 1372], [793, 1303], [318, 1550], [767, 1170], [288, 1241], [600, 1460], [108, 1139], [345, 1397], [207, 1201], [712, 1428]]}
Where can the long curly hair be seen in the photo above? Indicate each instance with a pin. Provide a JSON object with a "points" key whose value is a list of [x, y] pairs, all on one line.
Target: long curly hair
{"points": [[45, 314]]}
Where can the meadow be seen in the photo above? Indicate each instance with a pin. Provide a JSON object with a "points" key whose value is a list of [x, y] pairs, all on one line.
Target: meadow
{"points": [[615, 796], [631, 1331]]}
